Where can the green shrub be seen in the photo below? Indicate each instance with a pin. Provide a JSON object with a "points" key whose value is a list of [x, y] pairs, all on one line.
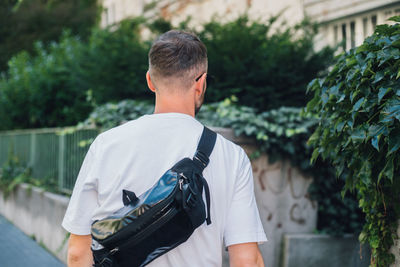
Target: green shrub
{"points": [[25, 22], [12, 173], [266, 65], [359, 132], [115, 64], [39, 91], [53, 88], [110, 115]]}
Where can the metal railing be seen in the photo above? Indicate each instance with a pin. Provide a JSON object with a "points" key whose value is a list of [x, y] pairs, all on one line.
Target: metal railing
{"points": [[55, 153]]}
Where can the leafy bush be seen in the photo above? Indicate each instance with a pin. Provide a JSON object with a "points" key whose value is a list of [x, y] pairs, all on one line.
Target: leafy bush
{"points": [[266, 65], [12, 173], [265, 70], [115, 64], [281, 133], [359, 132], [24, 22], [40, 91], [110, 115], [53, 87]]}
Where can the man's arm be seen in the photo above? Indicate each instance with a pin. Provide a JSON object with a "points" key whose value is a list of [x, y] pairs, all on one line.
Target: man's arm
{"points": [[79, 252], [245, 255]]}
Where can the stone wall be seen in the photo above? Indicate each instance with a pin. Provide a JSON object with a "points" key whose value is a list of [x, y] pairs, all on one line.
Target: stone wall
{"points": [[283, 202], [39, 215], [396, 249], [282, 197], [322, 250]]}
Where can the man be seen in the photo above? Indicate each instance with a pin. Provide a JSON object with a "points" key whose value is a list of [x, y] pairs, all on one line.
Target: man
{"points": [[133, 156]]}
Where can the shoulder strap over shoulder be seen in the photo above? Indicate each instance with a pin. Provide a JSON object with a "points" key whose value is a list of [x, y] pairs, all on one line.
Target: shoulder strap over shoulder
{"points": [[205, 147], [201, 160]]}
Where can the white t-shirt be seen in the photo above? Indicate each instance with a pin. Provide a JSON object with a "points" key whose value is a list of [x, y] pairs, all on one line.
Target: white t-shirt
{"points": [[135, 155]]}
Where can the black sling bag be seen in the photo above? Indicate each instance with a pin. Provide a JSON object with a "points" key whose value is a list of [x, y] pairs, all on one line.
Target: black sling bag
{"points": [[161, 218]]}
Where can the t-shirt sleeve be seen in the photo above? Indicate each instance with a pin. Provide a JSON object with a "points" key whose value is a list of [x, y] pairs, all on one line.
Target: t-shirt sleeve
{"points": [[84, 200], [243, 224]]}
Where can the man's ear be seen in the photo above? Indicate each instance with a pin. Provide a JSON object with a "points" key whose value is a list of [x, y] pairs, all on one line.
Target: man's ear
{"points": [[200, 85], [150, 83]]}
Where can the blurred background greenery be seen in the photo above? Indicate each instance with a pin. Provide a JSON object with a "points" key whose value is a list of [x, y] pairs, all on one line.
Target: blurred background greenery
{"points": [[52, 76], [60, 68]]}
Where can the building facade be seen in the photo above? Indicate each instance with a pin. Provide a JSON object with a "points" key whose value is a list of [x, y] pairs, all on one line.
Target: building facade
{"points": [[200, 11], [349, 22], [346, 23]]}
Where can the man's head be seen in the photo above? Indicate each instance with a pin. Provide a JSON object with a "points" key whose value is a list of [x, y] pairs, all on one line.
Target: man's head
{"points": [[178, 57], [176, 60]]}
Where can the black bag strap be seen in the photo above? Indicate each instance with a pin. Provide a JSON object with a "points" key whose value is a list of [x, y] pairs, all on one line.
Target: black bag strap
{"points": [[204, 148], [202, 158]]}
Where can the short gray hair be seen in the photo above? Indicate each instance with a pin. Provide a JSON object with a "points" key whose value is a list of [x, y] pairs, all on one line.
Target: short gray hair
{"points": [[177, 54]]}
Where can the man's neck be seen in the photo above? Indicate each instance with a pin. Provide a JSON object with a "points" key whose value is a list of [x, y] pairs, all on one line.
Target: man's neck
{"points": [[174, 104]]}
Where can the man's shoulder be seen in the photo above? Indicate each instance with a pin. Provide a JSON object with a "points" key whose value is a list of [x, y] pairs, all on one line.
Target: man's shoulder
{"points": [[230, 148], [117, 132]]}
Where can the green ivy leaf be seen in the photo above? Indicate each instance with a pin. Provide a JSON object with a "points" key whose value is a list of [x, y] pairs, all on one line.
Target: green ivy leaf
{"points": [[341, 98], [392, 109], [379, 76], [394, 141], [334, 90], [314, 155], [387, 171], [375, 130], [374, 242], [358, 134], [339, 125], [312, 104], [382, 92], [358, 104], [375, 142]]}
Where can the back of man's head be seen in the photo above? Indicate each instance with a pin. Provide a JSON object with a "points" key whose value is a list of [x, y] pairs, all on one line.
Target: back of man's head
{"points": [[177, 57]]}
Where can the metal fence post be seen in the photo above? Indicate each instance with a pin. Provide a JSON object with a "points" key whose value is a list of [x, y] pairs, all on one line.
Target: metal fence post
{"points": [[61, 161], [33, 151]]}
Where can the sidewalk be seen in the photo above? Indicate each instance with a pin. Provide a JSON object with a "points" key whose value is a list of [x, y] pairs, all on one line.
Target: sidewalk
{"points": [[19, 250]]}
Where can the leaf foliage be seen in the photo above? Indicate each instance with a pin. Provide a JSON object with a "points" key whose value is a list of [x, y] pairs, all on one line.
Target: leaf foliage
{"points": [[358, 104]]}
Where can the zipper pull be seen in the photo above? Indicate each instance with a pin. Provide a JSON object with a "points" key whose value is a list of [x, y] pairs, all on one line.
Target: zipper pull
{"points": [[182, 175], [180, 184], [114, 250]]}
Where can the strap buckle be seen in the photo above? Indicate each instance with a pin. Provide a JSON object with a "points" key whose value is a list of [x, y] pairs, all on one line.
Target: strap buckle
{"points": [[200, 156]]}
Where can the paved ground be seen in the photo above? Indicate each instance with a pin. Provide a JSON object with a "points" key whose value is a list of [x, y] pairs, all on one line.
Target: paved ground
{"points": [[19, 250]]}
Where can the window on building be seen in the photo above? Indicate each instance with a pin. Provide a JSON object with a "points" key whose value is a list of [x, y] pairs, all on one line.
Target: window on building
{"points": [[335, 34], [353, 34], [113, 13], [344, 34], [107, 16], [388, 14], [365, 27], [373, 22]]}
